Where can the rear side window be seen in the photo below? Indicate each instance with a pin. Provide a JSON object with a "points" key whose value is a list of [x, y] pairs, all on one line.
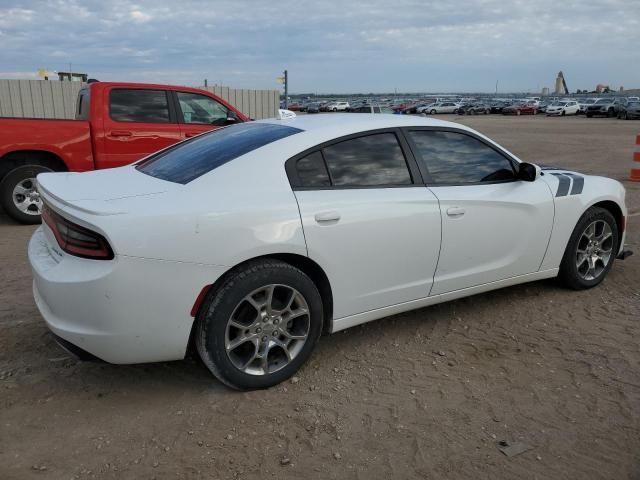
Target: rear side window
{"points": [[312, 171], [83, 105], [189, 160], [456, 158], [372, 160], [136, 105]]}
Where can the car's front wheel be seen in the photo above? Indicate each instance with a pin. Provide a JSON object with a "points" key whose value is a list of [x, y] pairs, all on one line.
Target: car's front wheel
{"points": [[260, 325], [591, 250]]}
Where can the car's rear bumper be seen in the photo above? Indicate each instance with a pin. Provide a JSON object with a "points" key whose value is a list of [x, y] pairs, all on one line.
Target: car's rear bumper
{"points": [[125, 310]]}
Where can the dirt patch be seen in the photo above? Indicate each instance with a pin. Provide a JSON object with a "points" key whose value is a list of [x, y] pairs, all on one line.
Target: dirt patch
{"points": [[426, 394]]}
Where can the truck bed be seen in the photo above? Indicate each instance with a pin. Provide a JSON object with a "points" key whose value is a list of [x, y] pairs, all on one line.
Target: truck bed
{"points": [[69, 139]]}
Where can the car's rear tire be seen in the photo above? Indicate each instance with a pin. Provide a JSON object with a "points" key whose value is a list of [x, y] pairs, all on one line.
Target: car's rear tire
{"points": [[260, 325], [18, 194], [591, 250]]}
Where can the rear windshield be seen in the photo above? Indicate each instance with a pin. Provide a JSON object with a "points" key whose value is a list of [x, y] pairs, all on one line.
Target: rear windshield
{"points": [[191, 159]]}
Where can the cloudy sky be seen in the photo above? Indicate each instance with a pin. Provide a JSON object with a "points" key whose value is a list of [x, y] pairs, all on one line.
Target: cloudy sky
{"points": [[330, 45]]}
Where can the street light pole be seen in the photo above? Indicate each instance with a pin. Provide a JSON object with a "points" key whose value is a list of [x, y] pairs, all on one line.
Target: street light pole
{"points": [[286, 90]]}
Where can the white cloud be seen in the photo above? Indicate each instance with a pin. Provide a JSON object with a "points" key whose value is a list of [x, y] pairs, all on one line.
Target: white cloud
{"points": [[333, 45], [139, 16]]}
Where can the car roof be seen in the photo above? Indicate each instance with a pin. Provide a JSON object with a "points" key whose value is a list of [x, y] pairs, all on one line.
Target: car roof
{"points": [[349, 123], [317, 129]]}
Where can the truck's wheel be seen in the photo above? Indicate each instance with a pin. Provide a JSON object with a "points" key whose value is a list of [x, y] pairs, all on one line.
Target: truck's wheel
{"points": [[18, 194]]}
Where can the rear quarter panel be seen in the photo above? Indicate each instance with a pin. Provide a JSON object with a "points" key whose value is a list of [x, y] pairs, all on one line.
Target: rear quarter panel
{"points": [[241, 210]]}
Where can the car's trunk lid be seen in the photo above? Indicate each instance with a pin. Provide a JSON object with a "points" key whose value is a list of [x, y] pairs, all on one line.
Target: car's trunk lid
{"points": [[100, 192]]}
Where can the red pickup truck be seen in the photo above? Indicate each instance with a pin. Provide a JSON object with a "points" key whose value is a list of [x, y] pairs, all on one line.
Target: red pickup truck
{"points": [[116, 124]]}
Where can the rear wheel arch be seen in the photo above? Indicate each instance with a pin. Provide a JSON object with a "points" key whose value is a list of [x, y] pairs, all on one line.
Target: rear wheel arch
{"points": [[309, 267], [21, 158]]}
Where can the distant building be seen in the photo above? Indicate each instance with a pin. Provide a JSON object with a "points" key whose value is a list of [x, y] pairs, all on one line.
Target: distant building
{"points": [[72, 76], [561, 85], [545, 92], [601, 88]]}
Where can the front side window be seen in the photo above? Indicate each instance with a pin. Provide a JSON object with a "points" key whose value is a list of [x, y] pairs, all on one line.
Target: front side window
{"points": [[372, 160], [201, 109], [456, 158], [191, 159], [137, 105]]}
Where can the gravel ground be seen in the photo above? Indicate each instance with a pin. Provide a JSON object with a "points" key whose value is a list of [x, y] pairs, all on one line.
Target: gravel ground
{"points": [[426, 394]]}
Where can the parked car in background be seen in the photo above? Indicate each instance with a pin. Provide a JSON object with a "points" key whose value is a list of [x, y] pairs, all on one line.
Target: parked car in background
{"points": [[497, 107], [411, 109], [542, 107], [520, 109], [630, 110], [371, 108], [583, 103], [313, 107], [443, 107], [116, 124], [563, 108], [338, 107], [473, 109], [604, 107], [294, 107], [136, 264], [425, 108]]}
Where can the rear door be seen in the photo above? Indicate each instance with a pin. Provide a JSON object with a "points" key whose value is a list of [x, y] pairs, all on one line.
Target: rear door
{"points": [[494, 226], [139, 121], [199, 113], [368, 220]]}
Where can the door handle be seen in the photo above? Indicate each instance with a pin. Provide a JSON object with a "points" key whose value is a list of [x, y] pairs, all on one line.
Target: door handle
{"points": [[120, 133], [190, 134], [324, 217], [455, 211]]}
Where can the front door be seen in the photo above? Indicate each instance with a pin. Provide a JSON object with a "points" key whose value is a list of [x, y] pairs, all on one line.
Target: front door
{"points": [[200, 114], [138, 123], [494, 226], [372, 227]]}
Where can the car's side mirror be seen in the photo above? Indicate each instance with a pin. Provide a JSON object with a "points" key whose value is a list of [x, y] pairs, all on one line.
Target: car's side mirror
{"points": [[231, 117], [528, 172]]}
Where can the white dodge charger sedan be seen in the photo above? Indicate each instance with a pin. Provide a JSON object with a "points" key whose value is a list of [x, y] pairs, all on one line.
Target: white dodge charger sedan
{"points": [[250, 241]]}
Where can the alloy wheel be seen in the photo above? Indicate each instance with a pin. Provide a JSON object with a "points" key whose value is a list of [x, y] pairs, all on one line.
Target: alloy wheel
{"points": [[267, 329], [595, 249]]}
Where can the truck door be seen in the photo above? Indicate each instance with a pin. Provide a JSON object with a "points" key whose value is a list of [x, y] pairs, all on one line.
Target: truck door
{"points": [[199, 113], [138, 122]]}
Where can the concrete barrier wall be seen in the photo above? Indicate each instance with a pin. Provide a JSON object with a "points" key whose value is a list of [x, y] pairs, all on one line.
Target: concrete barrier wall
{"points": [[256, 104], [38, 98], [54, 99]]}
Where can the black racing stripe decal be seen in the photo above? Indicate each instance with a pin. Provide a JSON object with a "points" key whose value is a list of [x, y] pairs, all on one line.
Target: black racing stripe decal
{"points": [[578, 183], [563, 184]]}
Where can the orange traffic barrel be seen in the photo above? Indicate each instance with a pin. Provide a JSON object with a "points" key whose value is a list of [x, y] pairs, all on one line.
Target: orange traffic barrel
{"points": [[634, 175]]}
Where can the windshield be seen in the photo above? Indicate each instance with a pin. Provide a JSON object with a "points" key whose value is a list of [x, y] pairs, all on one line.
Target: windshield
{"points": [[603, 100], [191, 159]]}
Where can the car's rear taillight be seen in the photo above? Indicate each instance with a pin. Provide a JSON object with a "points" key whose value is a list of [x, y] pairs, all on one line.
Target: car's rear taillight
{"points": [[76, 240]]}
